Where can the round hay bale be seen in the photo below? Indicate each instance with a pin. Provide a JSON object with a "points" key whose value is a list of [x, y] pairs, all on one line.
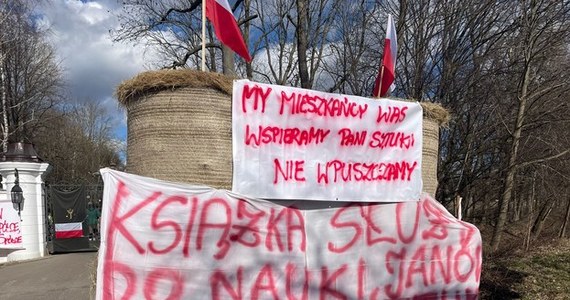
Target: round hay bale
{"points": [[179, 128], [435, 116], [430, 153], [182, 135]]}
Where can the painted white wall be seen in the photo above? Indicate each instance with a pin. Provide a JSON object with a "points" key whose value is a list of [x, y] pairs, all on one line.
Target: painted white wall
{"points": [[33, 208]]}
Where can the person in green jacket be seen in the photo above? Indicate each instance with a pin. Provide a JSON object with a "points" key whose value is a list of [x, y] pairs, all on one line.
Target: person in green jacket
{"points": [[93, 215]]}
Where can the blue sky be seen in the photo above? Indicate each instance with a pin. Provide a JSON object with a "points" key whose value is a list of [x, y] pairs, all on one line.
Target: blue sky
{"points": [[93, 65]]}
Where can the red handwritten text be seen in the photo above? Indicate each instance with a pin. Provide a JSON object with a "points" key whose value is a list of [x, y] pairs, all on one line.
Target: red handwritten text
{"points": [[340, 171], [259, 97], [278, 135], [303, 103], [394, 114]]}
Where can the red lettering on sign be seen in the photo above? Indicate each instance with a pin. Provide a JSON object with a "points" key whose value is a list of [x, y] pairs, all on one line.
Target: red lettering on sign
{"points": [[305, 103], [265, 282], [340, 171], [116, 223], [328, 282], [388, 260], [438, 222], [188, 232], [349, 138], [110, 269], [394, 114], [291, 282], [293, 170], [419, 259], [463, 277], [399, 222], [251, 227], [218, 277], [478, 257], [215, 204], [176, 280], [273, 231], [284, 136], [258, 93], [9, 227], [173, 225], [361, 279], [372, 228], [336, 223], [10, 240], [437, 261], [389, 139], [399, 286], [295, 222]]}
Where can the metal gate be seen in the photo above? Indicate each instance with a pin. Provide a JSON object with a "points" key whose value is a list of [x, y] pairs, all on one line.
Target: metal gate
{"points": [[89, 241]]}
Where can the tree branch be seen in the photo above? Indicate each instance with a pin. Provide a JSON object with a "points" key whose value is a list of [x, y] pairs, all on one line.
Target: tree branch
{"points": [[192, 7], [190, 52], [247, 20], [524, 164], [236, 5]]}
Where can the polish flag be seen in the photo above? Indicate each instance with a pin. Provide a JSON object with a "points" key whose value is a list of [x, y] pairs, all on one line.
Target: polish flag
{"points": [[220, 14], [384, 83], [68, 230]]}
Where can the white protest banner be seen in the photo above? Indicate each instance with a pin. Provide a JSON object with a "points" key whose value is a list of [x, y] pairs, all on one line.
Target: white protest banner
{"points": [[10, 230], [162, 240], [291, 143]]}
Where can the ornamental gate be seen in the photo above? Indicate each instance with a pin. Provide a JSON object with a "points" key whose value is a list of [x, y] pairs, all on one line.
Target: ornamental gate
{"points": [[72, 217]]}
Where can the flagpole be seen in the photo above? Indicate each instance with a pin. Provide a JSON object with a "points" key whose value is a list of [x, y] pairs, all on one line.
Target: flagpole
{"points": [[381, 78], [203, 35]]}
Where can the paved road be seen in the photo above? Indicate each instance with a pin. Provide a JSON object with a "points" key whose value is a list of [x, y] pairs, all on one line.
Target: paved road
{"points": [[61, 276]]}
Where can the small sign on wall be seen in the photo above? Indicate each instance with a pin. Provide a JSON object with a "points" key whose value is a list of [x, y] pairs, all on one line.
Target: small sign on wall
{"points": [[10, 230]]}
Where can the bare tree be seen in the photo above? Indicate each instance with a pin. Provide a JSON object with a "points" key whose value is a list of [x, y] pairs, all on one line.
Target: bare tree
{"points": [[276, 42], [78, 142], [543, 27], [31, 81], [173, 30]]}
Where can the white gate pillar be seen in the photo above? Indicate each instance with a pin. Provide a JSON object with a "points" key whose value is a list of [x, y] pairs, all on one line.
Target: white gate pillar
{"points": [[33, 206]]}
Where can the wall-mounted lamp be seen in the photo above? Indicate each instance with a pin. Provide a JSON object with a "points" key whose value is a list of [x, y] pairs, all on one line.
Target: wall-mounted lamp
{"points": [[17, 194]]}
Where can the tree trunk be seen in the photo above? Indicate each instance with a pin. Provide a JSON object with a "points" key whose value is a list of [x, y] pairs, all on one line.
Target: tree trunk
{"points": [[246, 7], [528, 232], [228, 61], [212, 51], [302, 42], [5, 128], [566, 220], [484, 209], [538, 225], [512, 167]]}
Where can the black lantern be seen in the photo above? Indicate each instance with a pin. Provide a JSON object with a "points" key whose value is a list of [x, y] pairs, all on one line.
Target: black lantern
{"points": [[17, 193]]}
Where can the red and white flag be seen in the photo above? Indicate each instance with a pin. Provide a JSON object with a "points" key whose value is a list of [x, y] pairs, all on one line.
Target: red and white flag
{"points": [[68, 230], [220, 14], [385, 81]]}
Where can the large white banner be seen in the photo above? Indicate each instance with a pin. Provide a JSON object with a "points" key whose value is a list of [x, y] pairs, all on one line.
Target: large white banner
{"points": [[10, 230], [291, 143], [162, 240]]}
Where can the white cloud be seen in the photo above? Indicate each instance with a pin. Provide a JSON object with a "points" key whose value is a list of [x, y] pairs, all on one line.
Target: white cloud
{"points": [[93, 65]]}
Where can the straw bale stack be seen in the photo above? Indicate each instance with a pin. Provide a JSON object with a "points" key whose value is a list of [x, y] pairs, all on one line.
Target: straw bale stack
{"points": [[434, 117], [179, 128]]}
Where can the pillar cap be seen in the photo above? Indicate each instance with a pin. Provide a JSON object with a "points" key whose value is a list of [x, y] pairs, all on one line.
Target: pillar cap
{"points": [[20, 152]]}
